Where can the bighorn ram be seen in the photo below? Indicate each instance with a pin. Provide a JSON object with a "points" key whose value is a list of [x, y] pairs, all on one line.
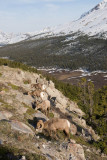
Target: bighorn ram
{"points": [[37, 93], [53, 125], [39, 86], [44, 106]]}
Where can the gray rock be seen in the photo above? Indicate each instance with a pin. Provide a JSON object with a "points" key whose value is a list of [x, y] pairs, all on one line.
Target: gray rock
{"points": [[76, 150], [21, 127], [5, 115], [27, 99], [1, 142], [22, 110], [40, 116], [73, 129]]}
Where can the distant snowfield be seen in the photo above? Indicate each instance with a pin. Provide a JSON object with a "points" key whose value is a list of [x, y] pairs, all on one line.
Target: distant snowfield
{"points": [[99, 78], [92, 23], [83, 72]]}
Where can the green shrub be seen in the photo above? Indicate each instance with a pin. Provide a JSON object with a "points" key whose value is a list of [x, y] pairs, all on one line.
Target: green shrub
{"points": [[51, 115], [15, 153], [13, 86]]}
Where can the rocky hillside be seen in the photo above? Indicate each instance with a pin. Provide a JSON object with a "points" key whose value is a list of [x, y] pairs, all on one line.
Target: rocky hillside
{"points": [[18, 137]]}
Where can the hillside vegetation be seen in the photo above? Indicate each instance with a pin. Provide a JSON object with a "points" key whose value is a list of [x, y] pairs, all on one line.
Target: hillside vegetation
{"points": [[69, 51]]}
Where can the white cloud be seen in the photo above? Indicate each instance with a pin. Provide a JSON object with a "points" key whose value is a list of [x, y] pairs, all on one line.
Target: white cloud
{"points": [[34, 1], [52, 6]]}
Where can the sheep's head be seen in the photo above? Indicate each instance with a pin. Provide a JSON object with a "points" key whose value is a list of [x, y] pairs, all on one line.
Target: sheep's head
{"points": [[30, 93], [40, 126], [32, 85], [37, 106]]}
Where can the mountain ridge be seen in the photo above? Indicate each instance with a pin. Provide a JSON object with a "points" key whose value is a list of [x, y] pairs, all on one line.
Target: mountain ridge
{"points": [[92, 23]]}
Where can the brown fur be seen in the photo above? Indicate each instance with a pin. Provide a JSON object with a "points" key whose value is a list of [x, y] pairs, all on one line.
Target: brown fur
{"points": [[53, 125], [37, 86], [35, 93], [44, 106]]}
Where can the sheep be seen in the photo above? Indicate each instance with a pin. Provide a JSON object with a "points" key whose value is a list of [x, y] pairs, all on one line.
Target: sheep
{"points": [[53, 125], [38, 86], [37, 93], [44, 106]]}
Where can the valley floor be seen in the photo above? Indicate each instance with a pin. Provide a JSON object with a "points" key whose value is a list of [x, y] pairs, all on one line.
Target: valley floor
{"points": [[99, 78]]}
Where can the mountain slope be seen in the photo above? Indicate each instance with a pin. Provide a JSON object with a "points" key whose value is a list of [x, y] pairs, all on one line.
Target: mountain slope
{"points": [[18, 121], [60, 52], [60, 47], [11, 38]]}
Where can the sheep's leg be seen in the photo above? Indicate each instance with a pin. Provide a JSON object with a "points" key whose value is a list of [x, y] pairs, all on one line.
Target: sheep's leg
{"points": [[50, 133], [67, 133], [55, 135], [47, 111]]}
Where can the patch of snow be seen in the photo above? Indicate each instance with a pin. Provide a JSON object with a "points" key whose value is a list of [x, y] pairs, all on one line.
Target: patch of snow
{"points": [[93, 23], [105, 76], [4, 57]]}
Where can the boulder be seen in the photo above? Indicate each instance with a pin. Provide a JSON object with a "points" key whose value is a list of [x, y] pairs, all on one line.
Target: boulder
{"points": [[73, 129], [59, 97], [5, 115], [92, 132], [76, 150], [21, 127], [26, 99], [40, 116], [51, 84], [22, 110], [73, 107]]}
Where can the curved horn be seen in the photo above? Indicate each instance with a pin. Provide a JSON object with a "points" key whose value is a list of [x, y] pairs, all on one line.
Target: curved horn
{"points": [[40, 124]]}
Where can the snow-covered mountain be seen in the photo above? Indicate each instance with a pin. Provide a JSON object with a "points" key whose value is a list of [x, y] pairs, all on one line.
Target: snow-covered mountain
{"points": [[94, 22], [12, 38]]}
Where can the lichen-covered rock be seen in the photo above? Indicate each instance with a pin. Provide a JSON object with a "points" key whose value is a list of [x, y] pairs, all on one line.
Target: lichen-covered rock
{"points": [[40, 116], [76, 151], [22, 110], [5, 115], [92, 132], [73, 129], [74, 108], [21, 127]]}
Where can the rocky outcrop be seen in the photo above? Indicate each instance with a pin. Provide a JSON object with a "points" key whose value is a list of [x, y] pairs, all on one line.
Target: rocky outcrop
{"points": [[76, 151], [17, 118], [21, 127], [5, 115], [73, 129], [40, 116]]}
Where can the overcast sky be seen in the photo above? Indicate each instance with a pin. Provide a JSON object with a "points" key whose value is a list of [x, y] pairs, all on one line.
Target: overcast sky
{"points": [[33, 15]]}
